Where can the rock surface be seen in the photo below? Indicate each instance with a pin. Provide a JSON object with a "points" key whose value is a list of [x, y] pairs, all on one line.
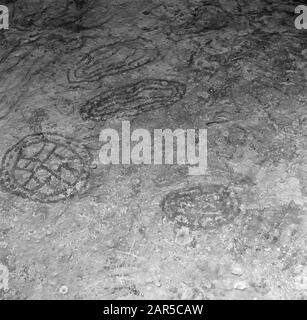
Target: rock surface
{"points": [[237, 68]]}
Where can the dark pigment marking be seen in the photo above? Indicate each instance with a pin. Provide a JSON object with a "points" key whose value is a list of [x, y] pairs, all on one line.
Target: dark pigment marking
{"points": [[46, 167], [112, 60], [201, 207], [131, 100]]}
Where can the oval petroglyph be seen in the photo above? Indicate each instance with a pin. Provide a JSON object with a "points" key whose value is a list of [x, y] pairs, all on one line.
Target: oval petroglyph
{"points": [[131, 100], [201, 207], [113, 59]]}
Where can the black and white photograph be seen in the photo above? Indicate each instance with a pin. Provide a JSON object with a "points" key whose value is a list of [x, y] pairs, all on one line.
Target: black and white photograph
{"points": [[153, 150]]}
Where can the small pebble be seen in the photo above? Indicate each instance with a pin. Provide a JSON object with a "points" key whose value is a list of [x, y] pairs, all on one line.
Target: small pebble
{"points": [[63, 290], [242, 285], [236, 270]]}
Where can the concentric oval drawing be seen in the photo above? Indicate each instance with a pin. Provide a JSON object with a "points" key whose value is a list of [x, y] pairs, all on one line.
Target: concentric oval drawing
{"points": [[113, 59], [131, 100], [204, 207], [46, 167]]}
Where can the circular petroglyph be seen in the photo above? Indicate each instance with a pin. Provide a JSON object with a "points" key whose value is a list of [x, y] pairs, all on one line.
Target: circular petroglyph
{"points": [[201, 207], [46, 167]]}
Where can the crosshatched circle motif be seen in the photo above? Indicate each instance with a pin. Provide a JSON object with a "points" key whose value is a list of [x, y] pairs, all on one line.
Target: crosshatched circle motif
{"points": [[46, 167]]}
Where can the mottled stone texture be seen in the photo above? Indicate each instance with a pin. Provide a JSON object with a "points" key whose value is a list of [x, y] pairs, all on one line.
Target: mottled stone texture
{"points": [[70, 69]]}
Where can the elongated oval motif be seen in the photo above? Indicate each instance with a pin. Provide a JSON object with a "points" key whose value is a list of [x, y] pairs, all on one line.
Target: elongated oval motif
{"points": [[112, 59], [131, 100]]}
